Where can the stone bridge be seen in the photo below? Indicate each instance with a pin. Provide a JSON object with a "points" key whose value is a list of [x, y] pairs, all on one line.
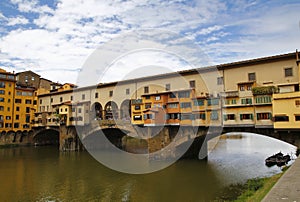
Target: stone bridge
{"points": [[157, 137]]}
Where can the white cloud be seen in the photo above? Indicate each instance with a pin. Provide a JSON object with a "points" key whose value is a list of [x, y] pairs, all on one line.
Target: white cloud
{"points": [[16, 21], [67, 34]]}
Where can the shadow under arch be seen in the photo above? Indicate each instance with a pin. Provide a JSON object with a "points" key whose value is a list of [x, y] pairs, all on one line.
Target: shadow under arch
{"points": [[114, 135], [46, 137]]}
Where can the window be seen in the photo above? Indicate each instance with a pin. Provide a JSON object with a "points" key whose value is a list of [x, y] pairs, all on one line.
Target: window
{"points": [[147, 97], [186, 117], [60, 99], [214, 115], [242, 88], [2, 84], [27, 109], [137, 117], [201, 116], [66, 109], [297, 103], [8, 117], [185, 105], [288, 72], [229, 117], [1, 118], [246, 101], [263, 116], [147, 106], [199, 102], [252, 76], [2, 99], [137, 107], [34, 102], [127, 91], [2, 92], [71, 98], [17, 109], [111, 93], [8, 100], [230, 101], [32, 78], [281, 118], [184, 94], [27, 101], [146, 89], [1, 108], [18, 101], [157, 97], [173, 105], [51, 100], [297, 117], [8, 125], [9, 93], [172, 95], [249, 88], [79, 110], [220, 80], [168, 87], [264, 99], [8, 109], [192, 84], [212, 102], [17, 117], [246, 116], [83, 96], [16, 125], [27, 118], [96, 95], [41, 101]]}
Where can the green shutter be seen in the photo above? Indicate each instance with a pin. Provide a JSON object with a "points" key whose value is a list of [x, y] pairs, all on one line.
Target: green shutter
{"points": [[241, 116], [225, 117], [251, 116]]}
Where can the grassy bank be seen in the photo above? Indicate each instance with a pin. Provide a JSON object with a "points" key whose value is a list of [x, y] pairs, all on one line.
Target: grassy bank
{"points": [[252, 190]]}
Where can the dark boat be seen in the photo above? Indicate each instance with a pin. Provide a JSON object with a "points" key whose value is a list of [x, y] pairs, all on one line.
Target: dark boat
{"points": [[272, 160], [281, 161]]}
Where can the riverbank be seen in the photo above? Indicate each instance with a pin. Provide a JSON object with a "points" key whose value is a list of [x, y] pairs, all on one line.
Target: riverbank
{"points": [[253, 190]]}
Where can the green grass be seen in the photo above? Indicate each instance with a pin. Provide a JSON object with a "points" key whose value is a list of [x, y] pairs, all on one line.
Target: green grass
{"points": [[253, 190], [257, 189]]}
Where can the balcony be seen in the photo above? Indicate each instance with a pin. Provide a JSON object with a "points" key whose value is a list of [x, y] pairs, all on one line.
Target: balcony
{"points": [[230, 94], [136, 101], [264, 90]]}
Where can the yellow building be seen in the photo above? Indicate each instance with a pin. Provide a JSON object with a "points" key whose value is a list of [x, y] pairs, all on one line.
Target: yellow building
{"points": [[286, 110], [7, 87], [24, 108], [17, 104]]}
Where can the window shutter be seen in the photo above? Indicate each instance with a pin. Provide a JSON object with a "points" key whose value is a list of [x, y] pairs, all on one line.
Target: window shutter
{"points": [[241, 116], [251, 116]]}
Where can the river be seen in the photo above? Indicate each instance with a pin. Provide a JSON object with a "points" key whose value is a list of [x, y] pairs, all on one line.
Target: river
{"points": [[45, 174]]}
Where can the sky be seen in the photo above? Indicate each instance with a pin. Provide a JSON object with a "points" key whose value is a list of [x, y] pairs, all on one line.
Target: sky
{"points": [[58, 38]]}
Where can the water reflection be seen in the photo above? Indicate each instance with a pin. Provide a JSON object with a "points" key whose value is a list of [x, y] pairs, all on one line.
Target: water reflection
{"points": [[238, 159], [45, 174]]}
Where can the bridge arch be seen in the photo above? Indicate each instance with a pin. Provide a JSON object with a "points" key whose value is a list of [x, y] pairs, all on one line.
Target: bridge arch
{"points": [[46, 137], [111, 110], [291, 137], [97, 110], [93, 140], [125, 109]]}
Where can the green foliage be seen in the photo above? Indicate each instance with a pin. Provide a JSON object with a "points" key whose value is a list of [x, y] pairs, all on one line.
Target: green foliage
{"points": [[265, 90]]}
